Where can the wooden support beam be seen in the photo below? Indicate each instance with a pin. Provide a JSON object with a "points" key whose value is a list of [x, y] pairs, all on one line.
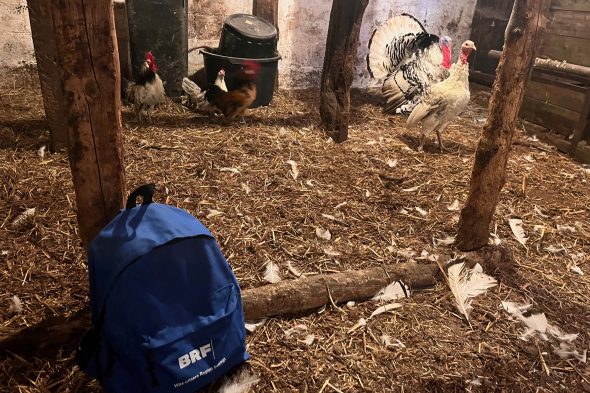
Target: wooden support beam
{"points": [[49, 77], [581, 125], [521, 42], [341, 47], [89, 65], [552, 65], [268, 10]]}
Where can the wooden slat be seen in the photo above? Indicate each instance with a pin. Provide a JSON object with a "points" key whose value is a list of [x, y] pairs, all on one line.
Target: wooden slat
{"points": [[550, 116], [573, 50], [570, 24], [558, 96], [573, 5]]}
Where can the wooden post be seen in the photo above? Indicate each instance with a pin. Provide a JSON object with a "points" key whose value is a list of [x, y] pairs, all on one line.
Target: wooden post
{"points": [[123, 44], [89, 64], [268, 10], [521, 42], [337, 75], [49, 77]]}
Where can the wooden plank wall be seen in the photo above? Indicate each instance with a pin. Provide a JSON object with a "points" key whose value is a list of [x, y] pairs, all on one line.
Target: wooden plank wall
{"points": [[567, 38]]}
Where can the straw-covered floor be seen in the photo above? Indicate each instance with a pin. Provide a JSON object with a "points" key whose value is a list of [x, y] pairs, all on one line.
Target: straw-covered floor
{"points": [[381, 201]]}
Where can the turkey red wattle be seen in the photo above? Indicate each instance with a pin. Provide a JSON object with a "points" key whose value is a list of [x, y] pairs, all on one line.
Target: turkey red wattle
{"points": [[446, 51]]}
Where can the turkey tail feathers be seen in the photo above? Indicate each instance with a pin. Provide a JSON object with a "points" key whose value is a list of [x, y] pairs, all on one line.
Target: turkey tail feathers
{"points": [[390, 42]]}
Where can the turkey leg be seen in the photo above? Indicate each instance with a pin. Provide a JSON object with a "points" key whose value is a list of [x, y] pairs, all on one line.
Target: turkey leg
{"points": [[422, 139], [440, 145]]}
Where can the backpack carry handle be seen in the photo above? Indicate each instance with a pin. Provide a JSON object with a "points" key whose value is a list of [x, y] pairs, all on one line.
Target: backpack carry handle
{"points": [[146, 192]]}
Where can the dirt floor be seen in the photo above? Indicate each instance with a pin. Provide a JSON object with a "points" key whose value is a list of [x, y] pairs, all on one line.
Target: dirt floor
{"points": [[381, 201]]}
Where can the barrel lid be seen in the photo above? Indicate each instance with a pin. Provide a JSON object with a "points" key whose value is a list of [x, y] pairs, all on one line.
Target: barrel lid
{"points": [[251, 26]]}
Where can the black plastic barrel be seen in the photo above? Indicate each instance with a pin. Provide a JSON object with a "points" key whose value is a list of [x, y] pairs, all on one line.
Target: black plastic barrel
{"points": [[248, 36], [265, 83], [160, 26]]}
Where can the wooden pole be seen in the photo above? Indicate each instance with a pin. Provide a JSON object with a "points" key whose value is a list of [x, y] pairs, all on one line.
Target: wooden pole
{"points": [[521, 42], [341, 46], [268, 10], [49, 76], [89, 65]]}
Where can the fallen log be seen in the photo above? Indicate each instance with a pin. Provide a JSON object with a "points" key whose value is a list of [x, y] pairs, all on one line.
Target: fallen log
{"points": [[286, 297], [313, 292]]}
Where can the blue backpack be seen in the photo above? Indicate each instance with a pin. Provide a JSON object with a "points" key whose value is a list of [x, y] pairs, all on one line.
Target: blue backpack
{"points": [[166, 308]]}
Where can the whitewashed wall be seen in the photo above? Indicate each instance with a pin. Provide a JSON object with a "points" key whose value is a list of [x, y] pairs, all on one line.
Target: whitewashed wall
{"points": [[303, 26], [16, 45]]}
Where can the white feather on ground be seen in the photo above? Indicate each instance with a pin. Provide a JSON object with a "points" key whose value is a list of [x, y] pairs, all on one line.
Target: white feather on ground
{"points": [[293, 270], [240, 383], [517, 230], [271, 274], [538, 326], [252, 326], [393, 292], [465, 284], [385, 308], [23, 218]]}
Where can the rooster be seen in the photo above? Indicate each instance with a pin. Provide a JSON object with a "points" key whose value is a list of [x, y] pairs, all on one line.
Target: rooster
{"points": [[446, 99], [231, 103], [148, 89], [195, 98], [410, 60]]}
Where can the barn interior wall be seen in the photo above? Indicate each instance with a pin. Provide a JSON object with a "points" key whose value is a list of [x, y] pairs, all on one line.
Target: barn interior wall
{"points": [[303, 25]]}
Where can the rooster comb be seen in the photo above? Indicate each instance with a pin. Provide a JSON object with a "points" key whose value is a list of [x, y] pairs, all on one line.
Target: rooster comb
{"points": [[150, 57], [253, 65]]}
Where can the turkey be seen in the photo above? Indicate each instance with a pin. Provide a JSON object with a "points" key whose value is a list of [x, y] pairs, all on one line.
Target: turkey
{"points": [[409, 59], [446, 99]]}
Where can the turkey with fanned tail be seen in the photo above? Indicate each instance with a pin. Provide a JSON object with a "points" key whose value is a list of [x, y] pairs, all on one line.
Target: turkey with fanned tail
{"points": [[409, 60]]}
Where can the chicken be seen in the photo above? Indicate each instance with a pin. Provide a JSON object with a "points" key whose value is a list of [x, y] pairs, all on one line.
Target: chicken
{"points": [[148, 89], [410, 60], [200, 78], [446, 99], [231, 103], [195, 98]]}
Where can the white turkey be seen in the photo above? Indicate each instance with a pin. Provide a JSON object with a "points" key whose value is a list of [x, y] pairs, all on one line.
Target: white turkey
{"points": [[409, 59], [446, 99]]}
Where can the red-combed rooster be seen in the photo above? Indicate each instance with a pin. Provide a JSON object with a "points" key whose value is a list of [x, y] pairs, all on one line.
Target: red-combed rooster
{"points": [[446, 99], [410, 60], [148, 89], [231, 103]]}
